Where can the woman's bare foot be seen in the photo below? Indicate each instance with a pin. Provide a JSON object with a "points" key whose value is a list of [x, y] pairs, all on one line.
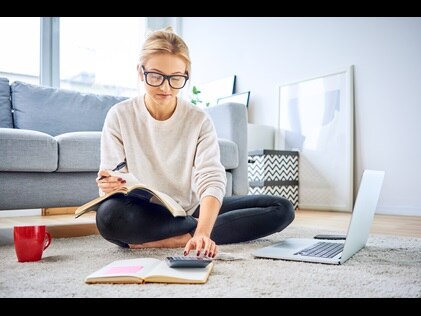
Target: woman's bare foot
{"points": [[172, 242]]}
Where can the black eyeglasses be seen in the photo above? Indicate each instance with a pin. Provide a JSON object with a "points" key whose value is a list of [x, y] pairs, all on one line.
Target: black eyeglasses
{"points": [[155, 79]]}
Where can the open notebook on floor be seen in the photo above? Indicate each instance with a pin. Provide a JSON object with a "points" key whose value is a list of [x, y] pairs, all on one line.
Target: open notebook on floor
{"points": [[335, 251]]}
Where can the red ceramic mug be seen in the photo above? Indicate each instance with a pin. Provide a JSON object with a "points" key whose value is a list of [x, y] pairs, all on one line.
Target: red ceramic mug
{"points": [[30, 242]]}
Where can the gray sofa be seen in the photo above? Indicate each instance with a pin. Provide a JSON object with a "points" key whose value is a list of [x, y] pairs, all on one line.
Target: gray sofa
{"points": [[50, 145]]}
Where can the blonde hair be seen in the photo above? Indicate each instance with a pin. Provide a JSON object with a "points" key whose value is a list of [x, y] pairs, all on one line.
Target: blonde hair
{"points": [[165, 41]]}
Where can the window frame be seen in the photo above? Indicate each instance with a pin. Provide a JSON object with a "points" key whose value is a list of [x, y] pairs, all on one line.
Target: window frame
{"points": [[49, 74]]}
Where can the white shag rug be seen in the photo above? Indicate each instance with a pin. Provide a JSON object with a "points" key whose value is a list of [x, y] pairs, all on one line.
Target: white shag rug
{"points": [[389, 266]]}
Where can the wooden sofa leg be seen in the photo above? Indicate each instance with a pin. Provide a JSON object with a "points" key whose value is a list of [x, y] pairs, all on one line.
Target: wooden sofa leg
{"points": [[58, 210], [67, 226]]}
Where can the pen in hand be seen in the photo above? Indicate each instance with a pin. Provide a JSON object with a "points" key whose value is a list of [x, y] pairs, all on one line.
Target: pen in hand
{"points": [[118, 167]]}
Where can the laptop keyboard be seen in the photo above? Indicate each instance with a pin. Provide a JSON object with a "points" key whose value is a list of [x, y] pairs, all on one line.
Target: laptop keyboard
{"points": [[322, 249]]}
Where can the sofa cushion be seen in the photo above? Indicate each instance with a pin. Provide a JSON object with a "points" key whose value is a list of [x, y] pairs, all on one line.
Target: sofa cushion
{"points": [[24, 150], [5, 108], [229, 153], [79, 151], [58, 111]]}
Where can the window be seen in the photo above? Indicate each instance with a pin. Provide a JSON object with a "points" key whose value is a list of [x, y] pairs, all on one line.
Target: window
{"points": [[100, 54], [20, 53], [97, 55]]}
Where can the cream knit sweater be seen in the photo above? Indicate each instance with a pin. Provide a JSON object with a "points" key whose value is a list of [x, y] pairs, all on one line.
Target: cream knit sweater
{"points": [[179, 156]]}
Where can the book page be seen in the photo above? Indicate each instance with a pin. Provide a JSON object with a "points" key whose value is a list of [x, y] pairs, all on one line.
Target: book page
{"points": [[131, 180], [122, 271], [167, 201], [89, 206], [164, 274], [158, 198]]}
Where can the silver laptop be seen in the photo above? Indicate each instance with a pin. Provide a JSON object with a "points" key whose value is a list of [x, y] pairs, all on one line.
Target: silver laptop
{"points": [[335, 251]]}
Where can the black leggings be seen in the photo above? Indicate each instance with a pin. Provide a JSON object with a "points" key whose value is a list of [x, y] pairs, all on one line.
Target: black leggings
{"points": [[125, 220]]}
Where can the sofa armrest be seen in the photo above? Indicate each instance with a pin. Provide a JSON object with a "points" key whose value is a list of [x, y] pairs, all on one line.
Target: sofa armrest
{"points": [[230, 120]]}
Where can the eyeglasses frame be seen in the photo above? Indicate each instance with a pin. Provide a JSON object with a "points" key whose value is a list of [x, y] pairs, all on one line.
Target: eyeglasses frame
{"points": [[166, 77]]}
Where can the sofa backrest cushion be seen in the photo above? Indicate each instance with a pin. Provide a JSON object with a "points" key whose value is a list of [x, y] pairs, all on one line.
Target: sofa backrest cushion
{"points": [[5, 108], [57, 111]]}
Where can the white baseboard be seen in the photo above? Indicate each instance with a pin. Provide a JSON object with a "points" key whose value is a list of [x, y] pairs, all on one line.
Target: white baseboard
{"points": [[15, 213]]}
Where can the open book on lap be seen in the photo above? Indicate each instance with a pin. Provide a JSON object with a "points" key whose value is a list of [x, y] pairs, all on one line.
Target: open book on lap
{"points": [[135, 189], [143, 270]]}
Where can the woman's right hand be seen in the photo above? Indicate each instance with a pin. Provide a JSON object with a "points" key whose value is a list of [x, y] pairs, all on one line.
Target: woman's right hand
{"points": [[107, 183]]}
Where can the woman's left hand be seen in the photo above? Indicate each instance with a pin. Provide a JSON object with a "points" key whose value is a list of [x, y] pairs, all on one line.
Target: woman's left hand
{"points": [[199, 243]]}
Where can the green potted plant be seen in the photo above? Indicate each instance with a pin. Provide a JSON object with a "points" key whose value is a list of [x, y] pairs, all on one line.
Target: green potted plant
{"points": [[195, 99]]}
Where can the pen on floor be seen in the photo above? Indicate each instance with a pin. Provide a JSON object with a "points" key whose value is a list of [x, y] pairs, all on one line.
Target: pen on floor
{"points": [[118, 167]]}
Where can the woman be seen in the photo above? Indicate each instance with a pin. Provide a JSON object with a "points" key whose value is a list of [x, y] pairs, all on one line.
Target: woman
{"points": [[171, 145]]}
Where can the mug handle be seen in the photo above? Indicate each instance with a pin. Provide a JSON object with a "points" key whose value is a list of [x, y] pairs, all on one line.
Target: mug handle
{"points": [[47, 240]]}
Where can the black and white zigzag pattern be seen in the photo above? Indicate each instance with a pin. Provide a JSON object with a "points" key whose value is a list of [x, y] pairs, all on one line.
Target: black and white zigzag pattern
{"points": [[273, 168], [289, 192]]}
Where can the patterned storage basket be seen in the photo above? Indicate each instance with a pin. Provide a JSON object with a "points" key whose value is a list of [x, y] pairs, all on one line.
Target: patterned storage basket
{"points": [[274, 172]]}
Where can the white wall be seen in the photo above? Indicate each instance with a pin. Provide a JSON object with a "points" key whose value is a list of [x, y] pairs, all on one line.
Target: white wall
{"points": [[386, 52]]}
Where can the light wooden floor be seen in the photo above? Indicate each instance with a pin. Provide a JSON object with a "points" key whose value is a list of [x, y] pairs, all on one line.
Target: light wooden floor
{"points": [[383, 224], [58, 225], [67, 226]]}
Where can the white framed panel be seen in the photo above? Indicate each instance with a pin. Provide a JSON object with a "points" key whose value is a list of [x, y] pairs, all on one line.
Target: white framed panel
{"points": [[316, 118], [210, 92]]}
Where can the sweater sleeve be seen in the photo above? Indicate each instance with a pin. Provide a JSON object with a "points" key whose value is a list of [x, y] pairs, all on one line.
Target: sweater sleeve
{"points": [[209, 174], [112, 151]]}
